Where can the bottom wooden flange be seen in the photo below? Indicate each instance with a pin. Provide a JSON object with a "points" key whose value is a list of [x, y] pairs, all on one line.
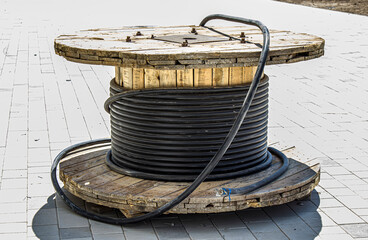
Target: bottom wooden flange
{"points": [[85, 175]]}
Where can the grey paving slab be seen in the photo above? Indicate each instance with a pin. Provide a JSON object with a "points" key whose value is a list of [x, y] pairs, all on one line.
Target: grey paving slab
{"points": [[342, 215], [174, 232], [44, 231], [356, 230], [109, 236], [75, 233]]}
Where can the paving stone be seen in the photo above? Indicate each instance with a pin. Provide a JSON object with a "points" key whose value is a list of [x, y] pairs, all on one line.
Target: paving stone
{"points": [[13, 236], [13, 217], [41, 202], [174, 232], [100, 228], [256, 215], [224, 221], [141, 230], [263, 227], [166, 222], [14, 183], [237, 234], [353, 201], [14, 174], [44, 231], [75, 233], [337, 237], [68, 219], [270, 235], [342, 215], [356, 230], [13, 195], [329, 202], [17, 207], [331, 230], [108, 236], [19, 227], [42, 217], [316, 220]]}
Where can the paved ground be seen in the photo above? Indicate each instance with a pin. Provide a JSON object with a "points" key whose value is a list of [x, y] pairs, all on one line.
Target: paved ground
{"points": [[46, 104]]}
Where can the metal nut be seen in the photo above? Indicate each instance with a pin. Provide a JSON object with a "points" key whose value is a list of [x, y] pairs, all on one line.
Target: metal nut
{"points": [[242, 40], [152, 36], [138, 33], [128, 39], [194, 31], [242, 35], [185, 43]]}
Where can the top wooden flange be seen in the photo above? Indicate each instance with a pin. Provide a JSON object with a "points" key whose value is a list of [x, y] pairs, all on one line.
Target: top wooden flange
{"points": [[134, 47]]}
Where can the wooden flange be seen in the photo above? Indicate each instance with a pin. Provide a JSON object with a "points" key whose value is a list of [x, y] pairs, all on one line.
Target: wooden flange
{"points": [[124, 47], [85, 175]]}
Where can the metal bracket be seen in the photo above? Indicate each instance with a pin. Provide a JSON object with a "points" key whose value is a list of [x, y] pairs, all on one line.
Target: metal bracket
{"points": [[190, 38]]}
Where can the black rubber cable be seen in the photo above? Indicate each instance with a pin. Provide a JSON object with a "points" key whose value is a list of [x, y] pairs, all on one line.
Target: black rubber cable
{"points": [[183, 157], [212, 163]]}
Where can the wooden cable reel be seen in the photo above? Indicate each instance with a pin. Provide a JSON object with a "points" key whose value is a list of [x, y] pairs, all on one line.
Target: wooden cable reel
{"points": [[192, 57]]}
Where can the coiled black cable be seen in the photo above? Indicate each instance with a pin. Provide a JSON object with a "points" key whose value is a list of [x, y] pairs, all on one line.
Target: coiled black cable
{"points": [[211, 164], [172, 134]]}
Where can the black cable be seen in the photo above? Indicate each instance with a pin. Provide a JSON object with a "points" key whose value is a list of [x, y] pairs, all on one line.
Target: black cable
{"points": [[196, 122], [212, 163]]}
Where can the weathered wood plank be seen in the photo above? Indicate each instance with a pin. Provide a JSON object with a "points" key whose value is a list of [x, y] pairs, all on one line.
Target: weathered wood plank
{"points": [[184, 78], [220, 77], [236, 76], [151, 78], [127, 77], [138, 78], [203, 77], [167, 78]]}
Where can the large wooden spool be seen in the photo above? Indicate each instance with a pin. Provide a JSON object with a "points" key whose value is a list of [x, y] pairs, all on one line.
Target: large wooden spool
{"points": [[157, 57]]}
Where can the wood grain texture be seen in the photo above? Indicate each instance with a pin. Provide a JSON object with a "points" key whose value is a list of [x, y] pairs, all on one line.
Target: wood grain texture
{"points": [[87, 176], [202, 77], [108, 47]]}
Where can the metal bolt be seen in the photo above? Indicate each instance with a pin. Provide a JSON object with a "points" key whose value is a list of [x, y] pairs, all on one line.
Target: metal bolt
{"points": [[230, 38], [138, 33], [128, 39], [194, 31], [152, 36], [242, 35], [242, 40], [185, 43]]}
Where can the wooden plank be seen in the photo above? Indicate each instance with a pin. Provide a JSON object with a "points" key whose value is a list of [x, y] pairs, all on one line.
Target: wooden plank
{"points": [[127, 77], [184, 78], [151, 78], [167, 78], [118, 79], [138, 78], [249, 73], [203, 77], [220, 77], [236, 76]]}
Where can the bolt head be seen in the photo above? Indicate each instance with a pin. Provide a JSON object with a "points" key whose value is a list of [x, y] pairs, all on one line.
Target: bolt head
{"points": [[185, 43]]}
